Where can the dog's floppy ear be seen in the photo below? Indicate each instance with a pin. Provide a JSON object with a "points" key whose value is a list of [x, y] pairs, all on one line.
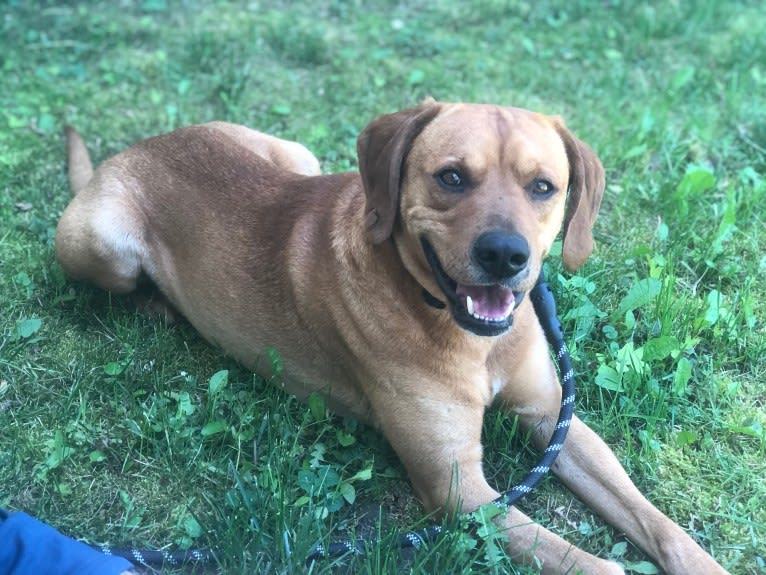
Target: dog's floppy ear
{"points": [[382, 148], [586, 188]]}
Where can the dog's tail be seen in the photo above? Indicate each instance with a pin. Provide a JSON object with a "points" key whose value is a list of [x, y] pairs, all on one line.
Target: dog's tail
{"points": [[78, 158]]}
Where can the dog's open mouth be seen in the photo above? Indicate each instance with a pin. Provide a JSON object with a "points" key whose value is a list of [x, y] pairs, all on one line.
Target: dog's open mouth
{"points": [[485, 310]]}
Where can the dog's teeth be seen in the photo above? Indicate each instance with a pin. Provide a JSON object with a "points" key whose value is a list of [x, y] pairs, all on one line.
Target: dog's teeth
{"points": [[471, 309]]}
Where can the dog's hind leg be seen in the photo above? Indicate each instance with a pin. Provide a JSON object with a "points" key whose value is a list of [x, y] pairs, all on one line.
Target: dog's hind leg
{"points": [[97, 239], [100, 240]]}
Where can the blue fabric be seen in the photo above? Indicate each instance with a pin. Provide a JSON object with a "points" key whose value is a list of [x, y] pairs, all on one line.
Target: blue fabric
{"points": [[29, 547]]}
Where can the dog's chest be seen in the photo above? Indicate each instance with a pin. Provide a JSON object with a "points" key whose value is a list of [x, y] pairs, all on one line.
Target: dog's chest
{"points": [[495, 385]]}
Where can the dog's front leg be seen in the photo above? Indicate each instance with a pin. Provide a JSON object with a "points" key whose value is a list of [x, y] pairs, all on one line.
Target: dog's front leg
{"points": [[438, 440], [590, 469]]}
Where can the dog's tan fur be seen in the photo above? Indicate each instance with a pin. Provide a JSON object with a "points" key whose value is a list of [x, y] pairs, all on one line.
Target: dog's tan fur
{"points": [[243, 236]]}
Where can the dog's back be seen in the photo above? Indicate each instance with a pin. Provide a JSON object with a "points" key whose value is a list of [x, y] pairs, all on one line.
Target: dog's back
{"points": [[225, 222]]}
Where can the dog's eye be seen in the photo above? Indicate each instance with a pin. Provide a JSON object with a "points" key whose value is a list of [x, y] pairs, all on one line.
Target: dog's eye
{"points": [[450, 179], [542, 187]]}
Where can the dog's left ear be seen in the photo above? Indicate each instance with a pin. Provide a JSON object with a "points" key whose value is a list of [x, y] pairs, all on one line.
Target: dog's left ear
{"points": [[382, 148], [586, 188]]}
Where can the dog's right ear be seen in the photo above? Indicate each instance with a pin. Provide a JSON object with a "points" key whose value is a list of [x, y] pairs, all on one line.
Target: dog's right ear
{"points": [[382, 148]]}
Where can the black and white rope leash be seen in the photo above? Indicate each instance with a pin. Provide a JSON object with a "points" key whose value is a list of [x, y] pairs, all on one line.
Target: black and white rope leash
{"points": [[150, 558], [545, 308]]}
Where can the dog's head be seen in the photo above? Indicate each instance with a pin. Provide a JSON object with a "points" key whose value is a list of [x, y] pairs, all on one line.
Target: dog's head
{"points": [[474, 196]]}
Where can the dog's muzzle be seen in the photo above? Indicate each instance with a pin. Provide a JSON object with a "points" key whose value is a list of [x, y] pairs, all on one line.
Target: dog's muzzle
{"points": [[485, 310]]}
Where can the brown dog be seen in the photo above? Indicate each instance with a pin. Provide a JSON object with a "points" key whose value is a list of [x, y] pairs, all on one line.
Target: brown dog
{"points": [[244, 238]]}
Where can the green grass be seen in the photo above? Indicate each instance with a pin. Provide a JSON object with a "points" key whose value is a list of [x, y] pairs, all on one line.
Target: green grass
{"points": [[115, 428]]}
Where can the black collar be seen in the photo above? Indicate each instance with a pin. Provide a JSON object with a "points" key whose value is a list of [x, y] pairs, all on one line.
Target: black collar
{"points": [[432, 300]]}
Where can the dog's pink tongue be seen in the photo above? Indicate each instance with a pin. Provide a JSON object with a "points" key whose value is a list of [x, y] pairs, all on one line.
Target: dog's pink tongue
{"points": [[489, 302]]}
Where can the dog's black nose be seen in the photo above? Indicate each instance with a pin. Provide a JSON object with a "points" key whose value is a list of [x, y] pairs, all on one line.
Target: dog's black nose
{"points": [[501, 254]]}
